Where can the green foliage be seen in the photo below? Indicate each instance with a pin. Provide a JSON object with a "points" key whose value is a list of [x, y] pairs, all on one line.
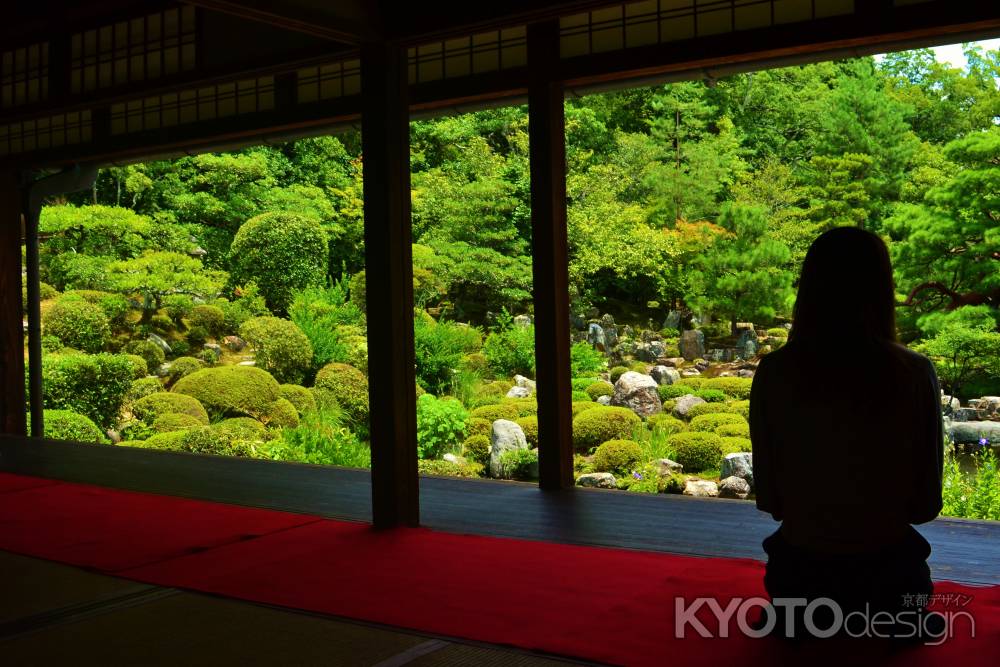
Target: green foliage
{"points": [[443, 468], [963, 352], [510, 349], [732, 444], [585, 360], [231, 390], [281, 414], [583, 406], [242, 428], [972, 495], [734, 387], [478, 426], [666, 424], [174, 421], [599, 389], [617, 372], [617, 456], [440, 426], [298, 396], [529, 424], [581, 396], [477, 448], [711, 409], [732, 429], [581, 384], [710, 422], [139, 366], [322, 437], [711, 395], [603, 423], [143, 387], [281, 252], [321, 313], [91, 385], [440, 348], [519, 464], [156, 274], [69, 425], [280, 347], [210, 318], [77, 324], [492, 413], [691, 384], [182, 366], [149, 408], [778, 332], [669, 391], [526, 407], [696, 450], [149, 351], [348, 387]]}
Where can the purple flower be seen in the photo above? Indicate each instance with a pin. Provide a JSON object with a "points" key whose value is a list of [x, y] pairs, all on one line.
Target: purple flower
{"points": [[637, 475], [983, 442]]}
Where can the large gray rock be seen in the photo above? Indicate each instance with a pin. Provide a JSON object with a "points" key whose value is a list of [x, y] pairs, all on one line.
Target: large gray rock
{"points": [[672, 320], [746, 344], [597, 480], [969, 432], [522, 381], [666, 467], [518, 392], [603, 400], [504, 436], [738, 464], [637, 392], [734, 487], [966, 415], [685, 403], [234, 343], [949, 404], [522, 321], [701, 488], [595, 336], [692, 344], [664, 374]]}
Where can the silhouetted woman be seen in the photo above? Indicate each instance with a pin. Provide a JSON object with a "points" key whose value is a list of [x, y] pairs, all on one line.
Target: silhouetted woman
{"points": [[847, 438]]}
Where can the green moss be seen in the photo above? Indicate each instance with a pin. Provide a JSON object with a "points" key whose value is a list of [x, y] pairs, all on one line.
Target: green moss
{"points": [[298, 396], [711, 409], [617, 456], [529, 425], [242, 428], [696, 450], [143, 387], [710, 422], [736, 429], [69, 425], [231, 390], [733, 444], [182, 366], [598, 389], [175, 422], [477, 448], [525, 406], [209, 318], [692, 383], [592, 427], [348, 387], [170, 441], [149, 408], [778, 332], [149, 351], [669, 391], [617, 372], [581, 396], [139, 367], [492, 413], [735, 387], [583, 406], [711, 395]]}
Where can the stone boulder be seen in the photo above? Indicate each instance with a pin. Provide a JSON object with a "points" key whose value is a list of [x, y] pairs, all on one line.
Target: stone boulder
{"points": [[971, 431], [234, 343], [595, 336], [664, 374], [949, 404], [690, 373], [522, 381], [692, 344], [966, 415], [597, 480], [667, 467], [603, 400], [738, 464], [734, 487], [685, 403], [637, 392], [504, 436], [701, 488], [522, 321]]}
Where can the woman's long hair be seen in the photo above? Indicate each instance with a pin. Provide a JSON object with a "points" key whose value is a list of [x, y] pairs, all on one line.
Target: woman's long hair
{"points": [[845, 289]]}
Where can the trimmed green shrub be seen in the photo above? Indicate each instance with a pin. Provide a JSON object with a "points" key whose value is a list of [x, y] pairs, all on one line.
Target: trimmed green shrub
{"points": [[674, 483], [69, 425], [584, 359], [735, 387], [182, 366], [149, 351], [599, 389], [581, 396], [525, 406], [664, 422], [581, 384], [712, 409], [138, 366], [280, 348], [711, 395], [208, 440], [196, 337], [741, 408], [733, 444], [78, 324], [281, 252], [711, 421], [583, 406], [440, 425], [231, 390], [348, 387], [778, 332], [115, 306], [210, 319], [242, 428], [693, 383], [478, 426], [177, 307], [155, 405], [448, 469], [669, 391], [180, 348], [492, 413], [519, 464], [52, 344], [617, 456], [94, 385], [475, 363], [143, 387], [736, 429], [175, 422], [281, 414], [477, 448], [161, 324], [496, 389], [617, 372], [696, 450], [529, 425], [603, 423], [298, 396], [668, 406], [170, 441]]}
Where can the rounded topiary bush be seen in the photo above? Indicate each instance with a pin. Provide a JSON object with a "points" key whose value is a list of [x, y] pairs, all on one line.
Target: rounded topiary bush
{"points": [[666, 423], [529, 425], [735, 387], [669, 391], [281, 414], [211, 319], [231, 390], [175, 422], [491, 413], [495, 389], [696, 450], [711, 395], [735, 429], [710, 422], [525, 406], [581, 396], [692, 383], [348, 387], [94, 385], [281, 252], [712, 409], [77, 324], [149, 408], [139, 366], [244, 428], [617, 372], [69, 425], [478, 426], [149, 351], [603, 423], [598, 389], [733, 444], [182, 366], [143, 387], [477, 448], [209, 440], [171, 441], [583, 406], [617, 456], [280, 347], [581, 384], [778, 332], [298, 396]]}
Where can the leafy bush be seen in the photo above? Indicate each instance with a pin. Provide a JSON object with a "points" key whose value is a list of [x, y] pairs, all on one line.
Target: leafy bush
{"points": [[170, 441], [211, 319], [972, 495], [231, 390], [439, 349], [778, 332], [712, 409], [711, 395], [492, 413], [603, 423], [696, 450], [643, 479], [963, 353], [177, 307], [669, 391], [91, 385], [149, 351], [519, 464], [440, 425], [115, 306], [77, 323], [692, 383], [448, 468], [348, 387], [175, 422], [617, 372], [585, 360], [738, 388], [736, 429], [139, 368], [581, 384], [323, 438], [712, 421], [478, 426], [583, 406], [321, 312], [280, 348], [510, 349], [581, 396], [182, 366], [599, 389], [161, 324], [732, 444], [529, 425], [281, 414], [298, 396], [196, 336], [143, 387], [216, 442], [666, 423], [148, 409], [617, 456], [525, 406], [282, 252], [69, 425], [243, 428], [477, 448]]}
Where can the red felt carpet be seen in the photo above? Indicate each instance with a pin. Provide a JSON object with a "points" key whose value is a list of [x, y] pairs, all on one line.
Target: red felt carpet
{"points": [[605, 605]]}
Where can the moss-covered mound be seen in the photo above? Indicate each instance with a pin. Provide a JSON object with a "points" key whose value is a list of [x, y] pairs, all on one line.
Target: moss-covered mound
{"points": [[696, 450], [232, 390], [69, 425], [175, 422], [298, 396], [529, 425], [149, 408], [348, 387], [617, 456], [603, 423]]}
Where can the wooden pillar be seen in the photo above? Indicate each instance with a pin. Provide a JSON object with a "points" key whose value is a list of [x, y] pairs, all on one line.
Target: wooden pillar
{"points": [[12, 395], [385, 141], [550, 257]]}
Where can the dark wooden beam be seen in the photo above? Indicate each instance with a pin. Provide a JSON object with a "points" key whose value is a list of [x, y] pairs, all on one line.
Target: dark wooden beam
{"points": [[385, 143], [546, 126], [11, 316], [347, 22]]}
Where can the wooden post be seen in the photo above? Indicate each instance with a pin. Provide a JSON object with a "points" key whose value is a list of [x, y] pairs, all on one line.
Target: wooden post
{"points": [[550, 257], [385, 141], [12, 396]]}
